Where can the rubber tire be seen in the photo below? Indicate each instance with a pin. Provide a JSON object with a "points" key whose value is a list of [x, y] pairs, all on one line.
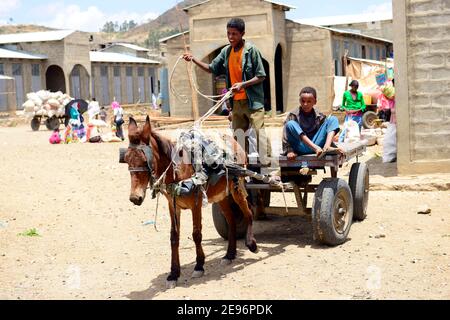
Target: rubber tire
{"points": [[221, 224], [367, 119], [252, 194], [359, 183], [322, 212], [35, 124], [52, 123]]}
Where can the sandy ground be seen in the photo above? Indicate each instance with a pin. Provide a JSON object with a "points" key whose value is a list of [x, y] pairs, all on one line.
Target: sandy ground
{"points": [[93, 244]]}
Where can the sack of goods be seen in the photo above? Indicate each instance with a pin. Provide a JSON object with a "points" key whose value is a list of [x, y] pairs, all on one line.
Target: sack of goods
{"points": [[46, 103]]}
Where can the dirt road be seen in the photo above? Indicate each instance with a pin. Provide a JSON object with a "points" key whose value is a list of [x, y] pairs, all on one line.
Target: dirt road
{"points": [[92, 243]]}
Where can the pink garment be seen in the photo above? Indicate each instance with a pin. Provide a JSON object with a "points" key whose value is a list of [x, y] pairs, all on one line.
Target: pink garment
{"points": [[387, 104], [55, 138], [115, 105]]}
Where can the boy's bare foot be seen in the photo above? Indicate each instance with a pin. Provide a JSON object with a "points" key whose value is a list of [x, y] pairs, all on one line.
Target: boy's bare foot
{"points": [[304, 171], [291, 156]]}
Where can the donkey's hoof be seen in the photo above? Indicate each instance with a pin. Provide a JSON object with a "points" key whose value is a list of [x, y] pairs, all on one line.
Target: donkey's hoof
{"points": [[226, 262], [171, 284], [253, 247], [198, 274]]}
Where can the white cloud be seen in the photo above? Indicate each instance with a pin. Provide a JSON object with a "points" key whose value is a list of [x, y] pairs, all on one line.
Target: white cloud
{"points": [[6, 6], [92, 19], [383, 9]]}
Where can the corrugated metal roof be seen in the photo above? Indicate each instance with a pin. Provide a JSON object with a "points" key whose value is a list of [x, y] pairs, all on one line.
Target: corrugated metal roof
{"points": [[100, 56], [130, 46], [173, 36], [347, 19], [13, 54], [285, 6], [35, 36], [347, 32], [355, 34]]}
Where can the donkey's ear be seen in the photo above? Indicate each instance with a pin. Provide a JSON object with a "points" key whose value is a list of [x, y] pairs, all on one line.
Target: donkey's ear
{"points": [[146, 131], [132, 127]]}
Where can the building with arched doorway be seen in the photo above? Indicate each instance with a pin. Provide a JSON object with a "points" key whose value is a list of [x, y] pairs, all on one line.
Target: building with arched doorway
{"points": [[64, 61], [294, 55]]}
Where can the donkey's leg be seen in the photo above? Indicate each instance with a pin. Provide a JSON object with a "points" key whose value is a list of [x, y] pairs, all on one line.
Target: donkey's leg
{"points": [[175, 244], [229, 216], [197, 236], [240, 197]]}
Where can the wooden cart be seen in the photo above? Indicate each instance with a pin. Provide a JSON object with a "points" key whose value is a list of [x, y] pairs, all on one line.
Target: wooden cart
{"points": [[336, 203]]}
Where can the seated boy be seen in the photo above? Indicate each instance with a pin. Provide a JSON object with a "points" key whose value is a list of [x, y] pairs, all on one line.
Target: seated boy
{"points": [[307, 131]]}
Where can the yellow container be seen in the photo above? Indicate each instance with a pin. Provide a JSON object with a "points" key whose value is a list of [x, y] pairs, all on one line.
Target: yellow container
{"points": [[367, 99]]}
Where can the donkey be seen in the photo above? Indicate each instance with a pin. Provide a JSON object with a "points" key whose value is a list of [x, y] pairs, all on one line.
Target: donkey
{"points": [[149, 156]]}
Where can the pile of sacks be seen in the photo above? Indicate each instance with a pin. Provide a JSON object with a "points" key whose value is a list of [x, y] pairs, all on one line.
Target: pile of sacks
{"points": [[46, 103]]}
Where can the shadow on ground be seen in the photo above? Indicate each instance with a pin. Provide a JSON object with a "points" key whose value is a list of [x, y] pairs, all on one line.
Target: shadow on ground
{"points": [[377, 167], [273, 236]]}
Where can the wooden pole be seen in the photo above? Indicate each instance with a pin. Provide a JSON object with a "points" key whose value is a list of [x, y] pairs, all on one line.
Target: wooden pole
{"points": [[195, 110]]}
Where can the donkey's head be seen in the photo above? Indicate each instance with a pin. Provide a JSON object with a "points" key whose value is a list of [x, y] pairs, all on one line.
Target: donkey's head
{"points": [[140, 157]]}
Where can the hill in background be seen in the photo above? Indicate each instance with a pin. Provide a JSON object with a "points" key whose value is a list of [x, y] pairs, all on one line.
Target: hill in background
{"points": [[22, 28]]}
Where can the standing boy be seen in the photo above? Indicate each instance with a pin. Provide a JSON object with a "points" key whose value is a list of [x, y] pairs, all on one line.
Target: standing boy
{"points": [[242, 65]]}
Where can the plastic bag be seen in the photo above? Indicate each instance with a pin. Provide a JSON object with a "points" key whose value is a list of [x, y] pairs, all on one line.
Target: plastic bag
{"points": [[390, 144], [352, 133]]}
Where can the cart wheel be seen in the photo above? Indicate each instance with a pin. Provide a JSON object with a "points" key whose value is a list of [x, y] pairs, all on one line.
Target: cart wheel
{"points": [[221, 223], [368, 119], [359, 185], [35, 123], [265, 194], [52, 123], [332, 212]]}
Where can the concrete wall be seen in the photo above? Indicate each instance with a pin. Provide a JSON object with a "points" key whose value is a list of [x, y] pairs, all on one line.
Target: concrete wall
{"points": [[380, 29], [422, 42], [310, 56]]}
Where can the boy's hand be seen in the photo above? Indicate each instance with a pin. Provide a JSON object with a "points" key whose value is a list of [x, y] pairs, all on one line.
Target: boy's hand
{"points": [[291, 156], [237, 87], [319, 151], [188, 57]]}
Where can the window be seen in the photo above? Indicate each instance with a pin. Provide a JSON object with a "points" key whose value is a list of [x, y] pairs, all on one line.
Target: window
{"points": [[104, 71], [117, 85], [336, 49], [2, 69], [383, 53], [35, 70], [17, 69], [17, 74], [378, 51], [371, 53], [141, 84], [129, 71], [116, 71], [129, 83], [35, 77]]}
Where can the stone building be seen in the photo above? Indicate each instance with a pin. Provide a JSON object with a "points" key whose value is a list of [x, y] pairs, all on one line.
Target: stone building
{"points": [[295, 55], [371, 24], [422, 46], [64, 61]]}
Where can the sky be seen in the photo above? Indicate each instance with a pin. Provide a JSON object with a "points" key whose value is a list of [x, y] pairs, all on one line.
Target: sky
{"points": [[91, 15]]}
